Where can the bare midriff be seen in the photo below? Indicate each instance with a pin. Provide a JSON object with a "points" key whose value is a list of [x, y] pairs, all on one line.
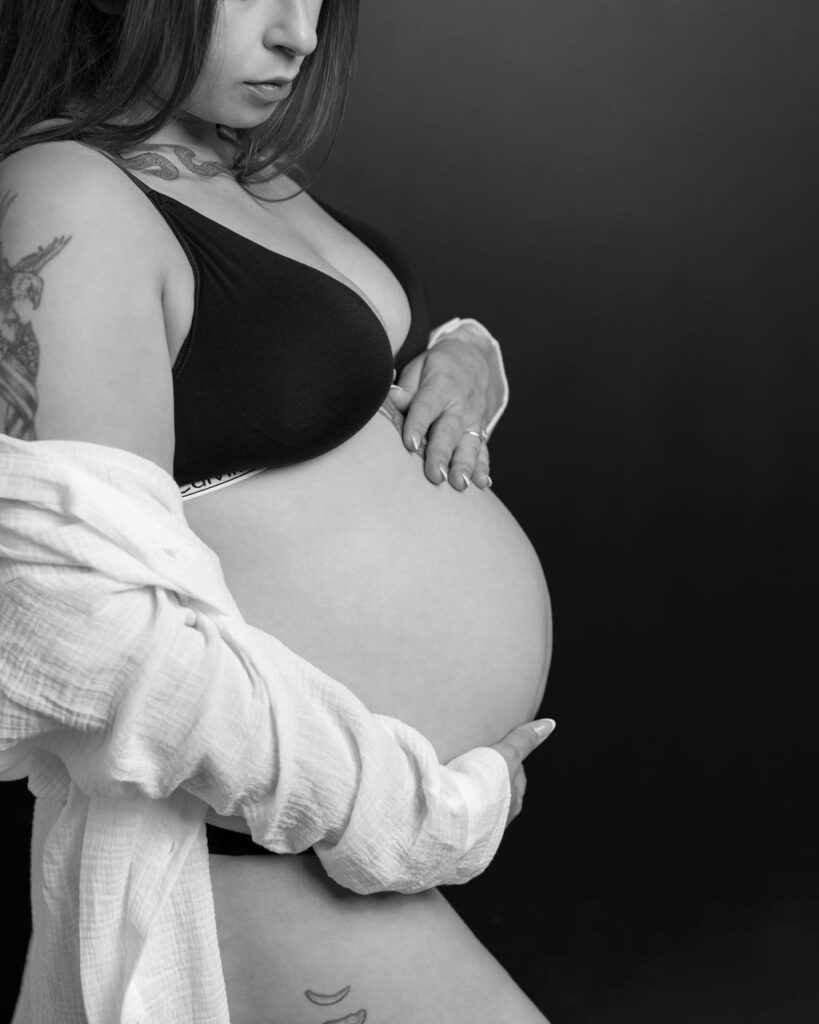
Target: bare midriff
{"points": [[429, 604]]}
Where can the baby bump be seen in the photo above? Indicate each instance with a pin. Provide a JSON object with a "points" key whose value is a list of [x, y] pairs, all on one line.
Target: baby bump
{"points": [[427, 603]]}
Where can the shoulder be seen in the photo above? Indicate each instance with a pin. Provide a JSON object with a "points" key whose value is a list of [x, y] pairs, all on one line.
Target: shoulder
{"points": [[55, 195], [82, 327], [64, 190], [72, 169], [75, 184]]}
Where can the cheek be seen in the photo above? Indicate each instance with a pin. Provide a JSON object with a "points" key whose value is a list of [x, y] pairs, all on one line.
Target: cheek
{"points": [[215, 70], [222, 41]]}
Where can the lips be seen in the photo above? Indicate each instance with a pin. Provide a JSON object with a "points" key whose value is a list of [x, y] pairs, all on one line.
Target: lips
{"points": [[271, 81], [271, 91]]}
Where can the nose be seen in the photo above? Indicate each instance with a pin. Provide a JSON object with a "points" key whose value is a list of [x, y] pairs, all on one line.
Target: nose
{"points": [[292, 28]]}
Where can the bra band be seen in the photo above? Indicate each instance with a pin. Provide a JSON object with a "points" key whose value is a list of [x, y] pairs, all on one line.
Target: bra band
{"points": [[214, 483]]}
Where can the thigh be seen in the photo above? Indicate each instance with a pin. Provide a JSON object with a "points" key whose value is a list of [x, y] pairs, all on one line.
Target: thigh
{"points": [[298, 949]]}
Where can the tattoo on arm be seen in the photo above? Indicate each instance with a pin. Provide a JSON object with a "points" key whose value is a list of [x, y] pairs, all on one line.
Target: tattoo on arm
{"points": [[359, 1017], [21, 288], [161, 166]]}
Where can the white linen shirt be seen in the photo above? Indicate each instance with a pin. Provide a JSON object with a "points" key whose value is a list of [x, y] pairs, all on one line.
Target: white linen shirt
{"points": [[134, 695]]}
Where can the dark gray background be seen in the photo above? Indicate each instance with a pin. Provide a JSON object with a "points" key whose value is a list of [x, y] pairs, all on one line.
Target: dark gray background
{"points": [[625, 192]]}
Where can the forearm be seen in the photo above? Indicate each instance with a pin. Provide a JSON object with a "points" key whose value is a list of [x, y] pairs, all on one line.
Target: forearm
{"points": [[142, 694]]}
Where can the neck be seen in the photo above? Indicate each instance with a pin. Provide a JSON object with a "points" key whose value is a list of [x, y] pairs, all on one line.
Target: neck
{"points": [[191, 132], [200, 136]]}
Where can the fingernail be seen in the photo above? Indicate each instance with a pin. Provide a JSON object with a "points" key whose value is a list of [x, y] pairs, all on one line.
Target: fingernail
{"points": [[396, 387], [544, 727], [488, 480], [466, 479], [443, 473], [415, 441]]}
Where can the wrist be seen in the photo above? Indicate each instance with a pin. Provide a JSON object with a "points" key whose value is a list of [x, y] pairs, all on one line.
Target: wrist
{"points": [[474, 333]]}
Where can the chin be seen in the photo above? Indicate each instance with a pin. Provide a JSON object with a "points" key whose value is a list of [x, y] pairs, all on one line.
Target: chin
{"points": [[246, 120], [231, 116]]}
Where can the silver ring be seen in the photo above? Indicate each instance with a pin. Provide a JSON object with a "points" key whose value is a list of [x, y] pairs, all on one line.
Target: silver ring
{"points": [[482, 434]]}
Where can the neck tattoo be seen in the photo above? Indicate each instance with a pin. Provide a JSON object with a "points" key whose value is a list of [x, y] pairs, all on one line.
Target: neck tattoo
{"points": [[161, 166]]}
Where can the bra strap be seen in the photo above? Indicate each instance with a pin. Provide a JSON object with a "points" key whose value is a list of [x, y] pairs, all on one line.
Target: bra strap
{"points": [[140, 184], [118, 163]]}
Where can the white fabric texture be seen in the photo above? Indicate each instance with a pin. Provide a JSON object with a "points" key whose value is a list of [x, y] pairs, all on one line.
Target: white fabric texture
{"points": [[134, 695]]}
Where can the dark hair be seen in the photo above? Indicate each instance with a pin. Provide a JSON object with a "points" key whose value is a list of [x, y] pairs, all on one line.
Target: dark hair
{"points": [[89, 61]]}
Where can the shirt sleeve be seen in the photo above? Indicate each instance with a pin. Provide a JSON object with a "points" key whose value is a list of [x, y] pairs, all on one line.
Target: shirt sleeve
{"points": [[137, 690], [477, 334]]}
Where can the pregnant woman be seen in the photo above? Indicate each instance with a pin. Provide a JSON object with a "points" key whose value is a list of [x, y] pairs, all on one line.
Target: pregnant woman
{"points": [[196, 308]]}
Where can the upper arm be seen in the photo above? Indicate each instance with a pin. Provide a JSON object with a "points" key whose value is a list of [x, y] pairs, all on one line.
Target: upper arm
{"points": [[83, 349]]}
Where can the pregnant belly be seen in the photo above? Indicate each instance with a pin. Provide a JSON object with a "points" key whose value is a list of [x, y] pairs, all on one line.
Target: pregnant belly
{"points": [[429, 604]]}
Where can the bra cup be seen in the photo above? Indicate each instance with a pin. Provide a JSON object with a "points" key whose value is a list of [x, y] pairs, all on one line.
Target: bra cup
{"points": [[284, 362]]}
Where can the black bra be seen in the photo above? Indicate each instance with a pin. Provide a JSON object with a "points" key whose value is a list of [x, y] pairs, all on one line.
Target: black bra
{"points": [[282, 362]]}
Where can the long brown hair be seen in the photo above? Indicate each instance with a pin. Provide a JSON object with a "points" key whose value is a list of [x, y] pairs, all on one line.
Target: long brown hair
{"points": [[87, 62]]}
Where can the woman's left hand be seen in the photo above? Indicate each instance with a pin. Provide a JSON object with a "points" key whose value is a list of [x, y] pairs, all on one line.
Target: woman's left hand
{"points": [[443, 393]]}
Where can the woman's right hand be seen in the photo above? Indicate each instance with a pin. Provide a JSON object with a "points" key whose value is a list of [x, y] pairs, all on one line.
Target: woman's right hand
{"points": [[514, 748]]}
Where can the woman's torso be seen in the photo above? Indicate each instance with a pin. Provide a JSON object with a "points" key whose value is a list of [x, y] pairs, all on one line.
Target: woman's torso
{"points": [[430, 604]]}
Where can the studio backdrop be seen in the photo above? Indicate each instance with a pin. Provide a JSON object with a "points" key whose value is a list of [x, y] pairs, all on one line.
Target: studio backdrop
{"points": [[624, 191]]}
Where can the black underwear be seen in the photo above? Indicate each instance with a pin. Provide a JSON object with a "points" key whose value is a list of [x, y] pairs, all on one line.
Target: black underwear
{"points": [[235, 844]]}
